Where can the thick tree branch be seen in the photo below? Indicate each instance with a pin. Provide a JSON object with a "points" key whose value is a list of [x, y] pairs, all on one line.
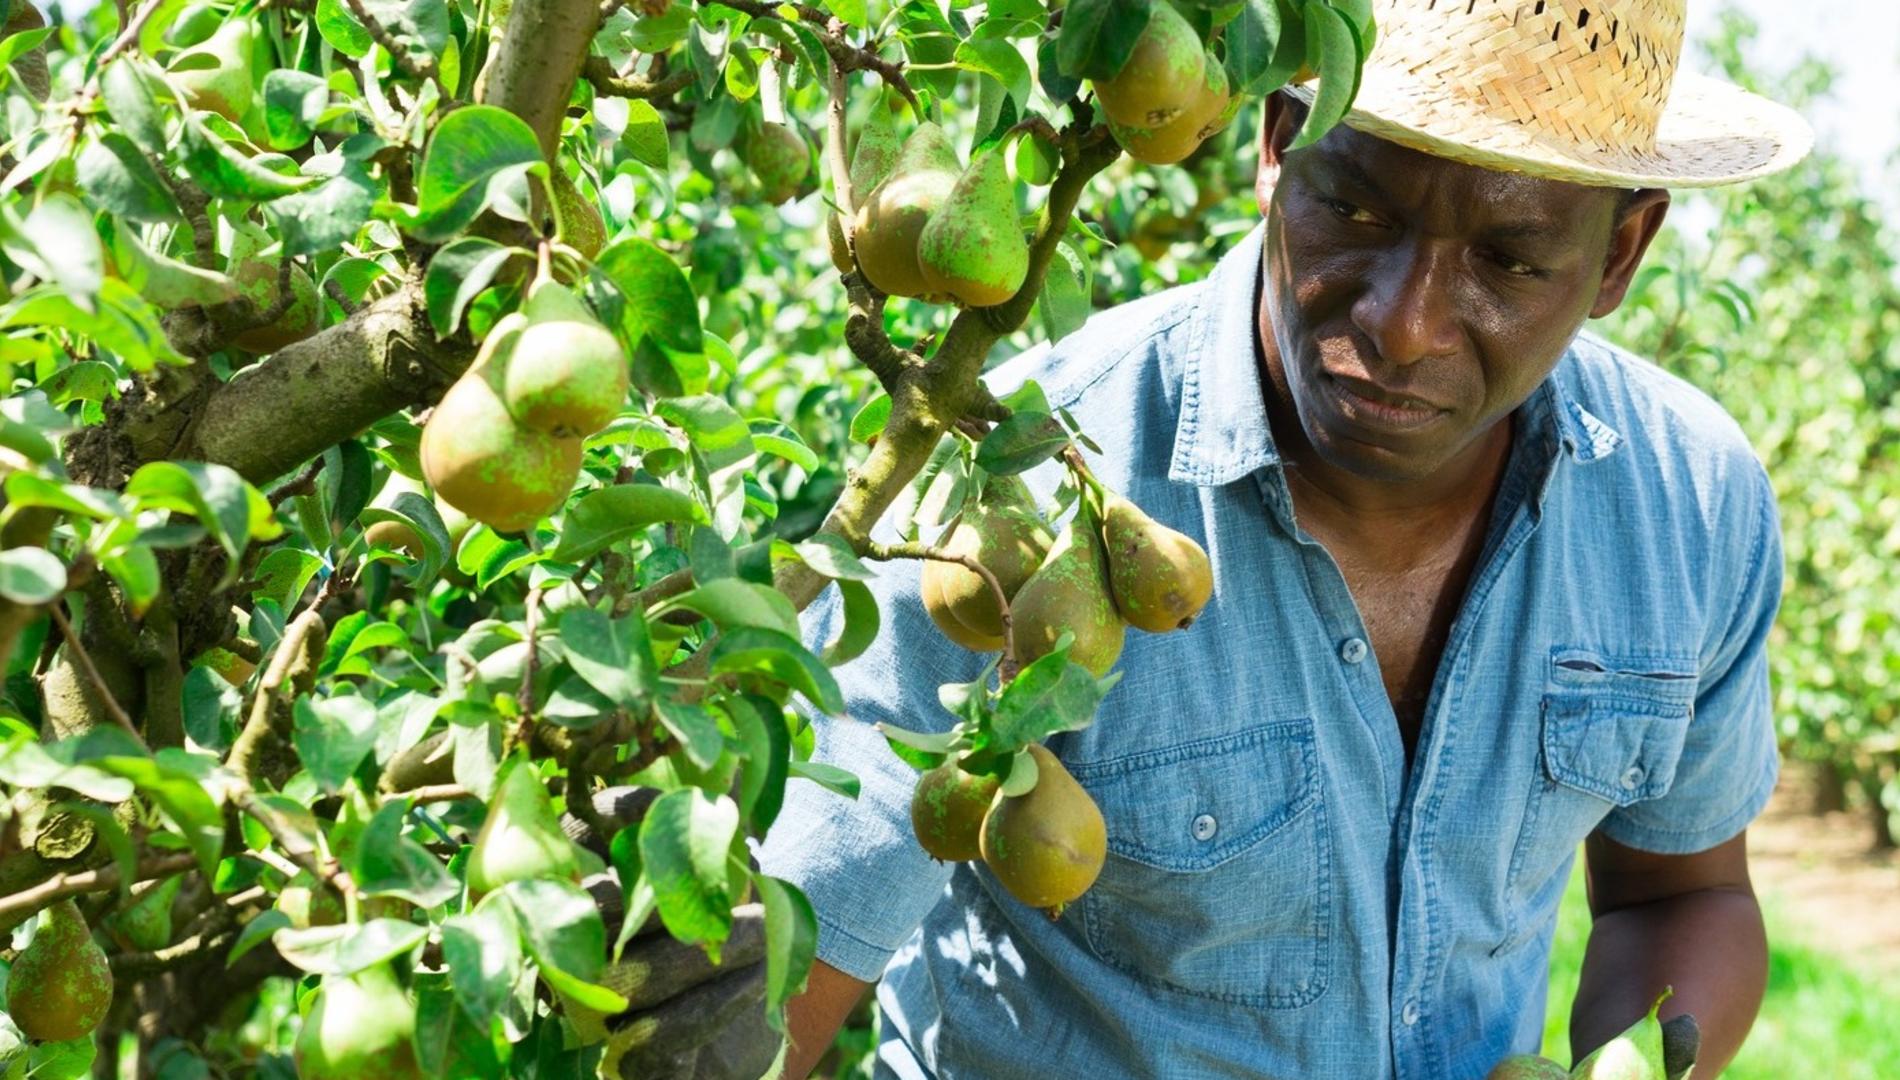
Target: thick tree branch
{"points": [[84, 660], [537, 60]]}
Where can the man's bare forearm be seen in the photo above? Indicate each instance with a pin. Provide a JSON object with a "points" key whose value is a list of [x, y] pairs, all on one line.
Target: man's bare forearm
{"points": [[1708, 945]]}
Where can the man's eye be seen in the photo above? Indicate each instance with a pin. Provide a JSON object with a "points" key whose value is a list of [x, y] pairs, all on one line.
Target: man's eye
{"points": [[1515, 267], [1346, 211]]}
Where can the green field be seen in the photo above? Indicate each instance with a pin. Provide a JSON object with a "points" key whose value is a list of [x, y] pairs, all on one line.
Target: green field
{"points": [[1820, 1018]]}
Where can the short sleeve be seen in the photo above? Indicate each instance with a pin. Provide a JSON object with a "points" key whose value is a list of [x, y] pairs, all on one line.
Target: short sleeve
{"points": [[1729, 760], [869, 882]]}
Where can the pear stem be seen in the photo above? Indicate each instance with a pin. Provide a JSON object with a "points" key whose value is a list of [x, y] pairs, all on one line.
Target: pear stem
{"points": [[888, 552]]}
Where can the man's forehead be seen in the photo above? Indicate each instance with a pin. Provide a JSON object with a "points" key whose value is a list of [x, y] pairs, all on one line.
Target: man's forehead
{"points": [[1403, 174]]}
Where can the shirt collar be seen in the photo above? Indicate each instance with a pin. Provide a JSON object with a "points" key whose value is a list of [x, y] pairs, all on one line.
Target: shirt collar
{"points": [[1222, 433]]}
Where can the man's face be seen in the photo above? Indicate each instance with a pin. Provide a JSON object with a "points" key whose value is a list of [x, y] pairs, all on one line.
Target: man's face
{"points": [[1416, 301]]}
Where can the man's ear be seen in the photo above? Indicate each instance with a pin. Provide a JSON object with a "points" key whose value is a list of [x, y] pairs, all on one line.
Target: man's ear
{"points": [[1281, 117], [1636, 224]]}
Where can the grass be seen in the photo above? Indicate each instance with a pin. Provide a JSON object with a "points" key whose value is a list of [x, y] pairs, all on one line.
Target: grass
{"points": [[1820, 1018]]}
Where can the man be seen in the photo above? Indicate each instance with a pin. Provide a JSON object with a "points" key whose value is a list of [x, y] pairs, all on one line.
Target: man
{"points": [[1485, 589]]}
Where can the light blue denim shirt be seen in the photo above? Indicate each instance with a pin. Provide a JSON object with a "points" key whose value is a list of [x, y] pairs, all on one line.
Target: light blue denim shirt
{"points": [[1284, 896]]}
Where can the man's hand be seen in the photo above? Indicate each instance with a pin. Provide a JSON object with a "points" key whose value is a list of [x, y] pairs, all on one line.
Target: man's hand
{"points": [[686, 1018]]}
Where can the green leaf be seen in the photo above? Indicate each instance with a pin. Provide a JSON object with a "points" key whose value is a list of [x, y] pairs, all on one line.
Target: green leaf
{"points": [[212, 707], [842, 781], [129, 92], [731, 602], [181, 794], [655, 300], [791, 939], [1333, 49], [325, 217], [332, 736], [780, 657], [283, 574], [70, 1060], [767, 746], [226, 173], [1048, 696], [832, 556], [57, 242], [861, 622], [119, 178], [772, 437], [645, 136], [456, 274], [600, 519], [483, 954], [232, 511], [419, 26], [136, 571], [123, 323], [259, 930], [851, 12], [293, 102], [711, 424], [1065, 302], [566, 937], [614, 656], [31, 576], [684, 842], [998, 58], [695, 729], [388, 863], [870, 420], [339, 26], [347, 949], [475, 149], [1097, 36], [1020, 443], [1022, 776], [85, 380]]}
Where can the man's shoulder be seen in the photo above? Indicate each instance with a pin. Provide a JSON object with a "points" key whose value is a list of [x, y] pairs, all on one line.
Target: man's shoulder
{"points": [[1113, 344], [1662, 420]]}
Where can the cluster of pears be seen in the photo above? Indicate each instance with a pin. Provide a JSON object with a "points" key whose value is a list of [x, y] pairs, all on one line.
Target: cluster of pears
{"points": [[1045, 846], [1111, 567], [926, 226], [60, 986], [1170, 96], [504, 444]]}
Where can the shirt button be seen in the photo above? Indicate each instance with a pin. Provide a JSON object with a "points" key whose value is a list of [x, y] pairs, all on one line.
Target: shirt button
{"points": [[1205, 827], [1409, 1014], [1352, 650], [1633, 778]]}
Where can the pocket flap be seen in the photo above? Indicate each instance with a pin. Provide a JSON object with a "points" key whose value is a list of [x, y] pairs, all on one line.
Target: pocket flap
{"points": [[1196, 805], [1614, 727]]}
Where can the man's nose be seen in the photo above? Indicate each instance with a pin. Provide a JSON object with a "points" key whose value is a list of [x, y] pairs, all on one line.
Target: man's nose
{"points": [[1408, 309]]}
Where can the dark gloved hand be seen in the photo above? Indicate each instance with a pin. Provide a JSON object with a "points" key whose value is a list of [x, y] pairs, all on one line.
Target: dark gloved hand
{"points": [[1682, 1041], [686, 1018]]}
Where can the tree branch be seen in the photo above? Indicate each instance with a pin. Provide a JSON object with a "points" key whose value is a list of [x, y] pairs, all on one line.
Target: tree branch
{"points": [[84, 659], [600, 72], [421, 69], [27, 901], [536, 61], [887, 552]]}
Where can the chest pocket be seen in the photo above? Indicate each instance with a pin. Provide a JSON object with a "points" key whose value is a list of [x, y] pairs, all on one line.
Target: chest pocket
{"points": [[1612, 730], [1218, 881]]}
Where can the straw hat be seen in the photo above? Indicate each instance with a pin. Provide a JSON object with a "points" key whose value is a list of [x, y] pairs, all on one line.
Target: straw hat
{"points": [[1586, 91]]}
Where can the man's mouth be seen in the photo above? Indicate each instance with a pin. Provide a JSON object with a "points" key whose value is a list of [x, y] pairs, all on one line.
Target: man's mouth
{"points": [[1373, 406]]}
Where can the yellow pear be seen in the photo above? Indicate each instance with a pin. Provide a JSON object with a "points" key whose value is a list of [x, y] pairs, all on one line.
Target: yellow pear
{"points": [[1527, 1067], [779, 159], [1173, 141], [872, 160], [1162, 75], [1070, 591], [257, 279], [362, 1027], [1003, 532], [930, 591], [1159, 577], [521, 837], [894, 214], [1046, 846], [947, 810]]}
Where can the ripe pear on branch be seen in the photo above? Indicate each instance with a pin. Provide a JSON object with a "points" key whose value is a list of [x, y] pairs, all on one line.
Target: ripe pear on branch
{"points": [[1163, 74], [566, 374], [872, 160], [215, 75], [483, 462], [972, 248], [1070, 591], [1046, 845], [256, 279], [779, 160], [362, 1027], [1205, 115], [521, 838], [1160, 578], [895, 212], [947, 810], [60, 986], [1002, 531]]}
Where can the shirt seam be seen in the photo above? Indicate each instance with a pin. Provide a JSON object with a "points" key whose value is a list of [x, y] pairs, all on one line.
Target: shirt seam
{"points": [[1725, 829]]}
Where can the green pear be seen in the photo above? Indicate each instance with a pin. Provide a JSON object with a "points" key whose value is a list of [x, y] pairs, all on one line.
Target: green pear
{"points": [[1210, 111], [362, 1027], [1160, 578], [895, 212], [1636, 1054], [521, 838], [1002, 531], [779, 159], [947, 810], [972, 248], [1070, 592], [1048, 844], [1162, 76], [257, 279], [60, 986], [566, 374], [1526, 1067], [872, 160], [147, 923], [216, 75]]}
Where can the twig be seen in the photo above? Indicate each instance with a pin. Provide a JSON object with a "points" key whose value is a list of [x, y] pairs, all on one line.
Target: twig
{"points": [[334, 290], [59, 886], [835, 159], [98, 681], [434, 793], [142, 965], [421, 70], [599, 71], [524, 697], [887, 552], [673, 584], [250, 741], [295, 845], [830, 31], [304, 484]]}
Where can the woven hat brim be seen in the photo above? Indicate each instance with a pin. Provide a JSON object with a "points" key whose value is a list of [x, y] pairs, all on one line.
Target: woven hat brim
{"points": [[1711, 133]]}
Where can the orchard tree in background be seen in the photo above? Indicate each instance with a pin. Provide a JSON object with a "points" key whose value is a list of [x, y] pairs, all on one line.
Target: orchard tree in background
{"points": [[422, 432]]}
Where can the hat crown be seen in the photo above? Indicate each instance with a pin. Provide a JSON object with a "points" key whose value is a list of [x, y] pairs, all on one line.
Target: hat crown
{"points": [[1593, 73]]}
